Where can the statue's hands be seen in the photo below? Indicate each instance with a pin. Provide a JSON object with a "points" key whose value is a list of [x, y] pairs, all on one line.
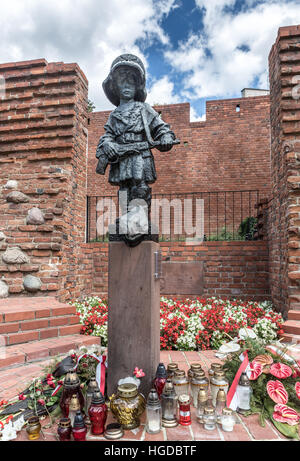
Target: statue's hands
{"points": [[166, 142], [111, 151]]}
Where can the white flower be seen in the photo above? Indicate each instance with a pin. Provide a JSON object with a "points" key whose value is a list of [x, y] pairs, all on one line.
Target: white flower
{"points": [[8, 433], [18, 424], [247, 333]]}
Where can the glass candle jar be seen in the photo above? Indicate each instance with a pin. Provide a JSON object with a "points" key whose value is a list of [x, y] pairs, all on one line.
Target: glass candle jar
{"points": [[209, 418], [98, 413], [171, 368], [128, 405], [160, 379], [71, 387], [214, 367], [169, 404], [220, 404], [198, 380], [79, 428], [184, 410], [92, 387], [202, 402], [33, 428], [243, 391], [153, 413], [217, 382], [227, 420], [64, 430], [181, 383]]}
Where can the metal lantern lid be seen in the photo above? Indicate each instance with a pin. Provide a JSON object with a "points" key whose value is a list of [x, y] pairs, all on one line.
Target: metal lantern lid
{"points": [[92, 386], [161, 371], [209, 410], [199, 374], [98, 398], [221, 395], [216, 366], [244, 380], [78, 420], [127, 390], [113, 431], [180, 373], [227, 411], [64, 422], [74, 403], [219, 374], [202, 395], [71, 379], [153, 399], [196, 367], [168, 389], [172, 366]]}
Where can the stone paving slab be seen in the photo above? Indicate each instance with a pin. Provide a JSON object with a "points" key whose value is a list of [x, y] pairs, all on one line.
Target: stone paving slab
{"points": [[248, 428]]}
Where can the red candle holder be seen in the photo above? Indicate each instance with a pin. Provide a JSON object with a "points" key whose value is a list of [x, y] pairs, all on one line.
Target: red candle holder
{"points": [[79, 429], [98, 413], [184, 410], [160, 379]]}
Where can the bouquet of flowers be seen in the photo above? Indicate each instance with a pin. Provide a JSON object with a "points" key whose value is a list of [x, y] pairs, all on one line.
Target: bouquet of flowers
{"points": [[275, 381]]}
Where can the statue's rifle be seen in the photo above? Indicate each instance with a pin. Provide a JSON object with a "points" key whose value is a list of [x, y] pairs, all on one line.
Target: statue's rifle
{"points": [[124, 150]]}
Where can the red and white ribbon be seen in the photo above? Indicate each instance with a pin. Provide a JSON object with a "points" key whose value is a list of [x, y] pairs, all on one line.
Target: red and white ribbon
{"points": [[232, 400], [100, 371]]}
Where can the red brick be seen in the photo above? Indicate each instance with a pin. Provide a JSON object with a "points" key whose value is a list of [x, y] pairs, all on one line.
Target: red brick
{"points": [[48, 333], [69, 330], [34, 325], [23, 337]]}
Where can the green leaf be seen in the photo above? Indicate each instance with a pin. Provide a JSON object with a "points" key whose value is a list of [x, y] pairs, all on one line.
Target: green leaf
{"points": [[291, 432]]}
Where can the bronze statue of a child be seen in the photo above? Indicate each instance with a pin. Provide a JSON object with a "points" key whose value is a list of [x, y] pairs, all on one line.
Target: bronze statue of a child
{"points": [[132, 129]]}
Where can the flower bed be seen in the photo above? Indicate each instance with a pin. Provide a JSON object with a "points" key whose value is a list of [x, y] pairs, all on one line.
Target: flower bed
{"points": [[193, 324]]}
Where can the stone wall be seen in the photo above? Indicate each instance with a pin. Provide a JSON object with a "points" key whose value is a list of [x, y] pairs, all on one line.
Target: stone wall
{"points": [[43, 125], [284, 208]]}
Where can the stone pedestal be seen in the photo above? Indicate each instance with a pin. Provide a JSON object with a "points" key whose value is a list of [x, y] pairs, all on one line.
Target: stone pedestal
{"points": [[134, 313]]}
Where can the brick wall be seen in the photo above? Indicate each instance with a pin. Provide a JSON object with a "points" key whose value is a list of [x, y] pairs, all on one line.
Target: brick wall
{"points": [[284, 208], [43, 125], [230, 269], [229, 151]]}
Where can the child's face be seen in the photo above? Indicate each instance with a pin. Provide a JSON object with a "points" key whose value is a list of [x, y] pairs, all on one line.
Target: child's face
{"points": [[125, 82]]}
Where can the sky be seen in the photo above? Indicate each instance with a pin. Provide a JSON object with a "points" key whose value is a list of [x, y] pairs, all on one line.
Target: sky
{"points": [[193, 50]]}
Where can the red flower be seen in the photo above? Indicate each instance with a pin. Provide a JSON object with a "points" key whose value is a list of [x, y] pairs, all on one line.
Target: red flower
{"points": [[277, 392], [297, 389], [41, 401], [138, 372], [256, 370], [22, 396], [285, 414], [9, 418], [280, 370]]}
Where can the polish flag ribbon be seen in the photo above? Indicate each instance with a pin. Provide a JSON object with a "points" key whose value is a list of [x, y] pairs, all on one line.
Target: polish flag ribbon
{"points": [[232, 401], [100, 371]]}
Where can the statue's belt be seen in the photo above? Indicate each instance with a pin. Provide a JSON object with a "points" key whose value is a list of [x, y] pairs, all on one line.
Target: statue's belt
{"points": [[138, 147]]}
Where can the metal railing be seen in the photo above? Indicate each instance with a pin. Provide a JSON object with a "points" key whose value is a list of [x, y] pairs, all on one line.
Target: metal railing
{"points": [[224, 215]]}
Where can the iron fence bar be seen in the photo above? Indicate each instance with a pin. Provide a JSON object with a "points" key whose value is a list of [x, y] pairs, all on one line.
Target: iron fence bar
{"points": [[211, 199]]}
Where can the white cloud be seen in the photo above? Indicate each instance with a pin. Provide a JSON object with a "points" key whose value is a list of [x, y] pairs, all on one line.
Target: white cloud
{"points": [[194, 117], [162, 92], [232, 50], [89, 32]]}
